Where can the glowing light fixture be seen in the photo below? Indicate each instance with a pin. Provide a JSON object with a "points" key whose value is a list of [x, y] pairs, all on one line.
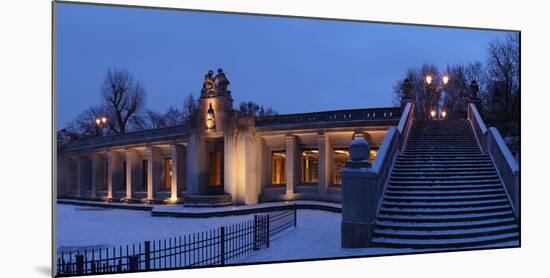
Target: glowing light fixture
{"points": [[429, 79], [103, 119], [432, 113], [210, 123], [443, 114], [445, 79], [97, 121]]}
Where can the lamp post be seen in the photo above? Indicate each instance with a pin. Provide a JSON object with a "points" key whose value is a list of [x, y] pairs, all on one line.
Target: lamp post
{"points": [[435, 89], [100, 123]]}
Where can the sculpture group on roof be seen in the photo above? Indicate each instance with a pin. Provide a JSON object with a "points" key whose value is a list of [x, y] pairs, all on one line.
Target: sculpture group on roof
{"points": [[215, 85]]}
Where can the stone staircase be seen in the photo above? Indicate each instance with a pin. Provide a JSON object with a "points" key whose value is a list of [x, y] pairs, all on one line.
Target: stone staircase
{"points": [[444, 193]]}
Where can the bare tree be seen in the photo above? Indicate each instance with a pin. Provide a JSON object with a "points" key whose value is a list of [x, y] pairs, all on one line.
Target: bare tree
{"points": [[422, 97], [190, 110], [503, 68], [174, 116], [251, 108], [123, 97]]}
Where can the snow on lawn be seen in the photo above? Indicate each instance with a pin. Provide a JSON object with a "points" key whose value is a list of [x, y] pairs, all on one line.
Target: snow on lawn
{"points": [[94, 227], [317, 234]]}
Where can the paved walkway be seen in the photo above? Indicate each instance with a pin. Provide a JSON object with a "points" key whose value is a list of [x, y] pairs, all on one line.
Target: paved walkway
{"points": [[179, 210]]}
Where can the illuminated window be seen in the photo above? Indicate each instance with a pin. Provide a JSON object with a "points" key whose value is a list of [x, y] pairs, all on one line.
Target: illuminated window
{"points": [[339, 158], [167, 173], [215, 168], [310, 166], [144, 174], [278, 167]]}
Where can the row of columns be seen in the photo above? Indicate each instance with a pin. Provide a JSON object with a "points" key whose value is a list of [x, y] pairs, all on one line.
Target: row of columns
{"points": [[293, 166], [86, 172]]}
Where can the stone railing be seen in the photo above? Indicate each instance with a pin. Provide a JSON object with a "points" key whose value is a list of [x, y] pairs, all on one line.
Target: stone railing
{"points": [[492, 142], [142, 136], [369, 114], [364, 185]]}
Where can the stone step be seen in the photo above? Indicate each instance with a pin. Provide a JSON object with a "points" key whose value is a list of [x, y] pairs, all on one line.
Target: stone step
{"points": [[430, 193], [444, 182], [443, 174], [414, 152], [403, 156], [443, 211], [445, 178], [442, 162], [444, 198], [428, 167], [445, 217], [427, 226], [445, 243], [440, 150], [450, 204], [446, 233], [444, 187]]}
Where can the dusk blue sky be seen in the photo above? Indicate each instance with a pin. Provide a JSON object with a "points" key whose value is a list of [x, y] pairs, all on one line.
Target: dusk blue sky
{"points": [[293, 65]]}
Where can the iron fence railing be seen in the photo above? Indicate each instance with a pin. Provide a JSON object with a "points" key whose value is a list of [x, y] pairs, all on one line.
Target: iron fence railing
{"points": [[208, 248], [167, 133], [369, 114]]}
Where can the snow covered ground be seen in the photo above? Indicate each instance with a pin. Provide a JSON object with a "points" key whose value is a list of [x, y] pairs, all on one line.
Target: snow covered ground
{"points": [[83, 227], [317, 234]]}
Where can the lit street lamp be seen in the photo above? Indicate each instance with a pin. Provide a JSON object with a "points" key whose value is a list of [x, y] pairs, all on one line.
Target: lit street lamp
{"points": [[432, 86], [100, 123]]}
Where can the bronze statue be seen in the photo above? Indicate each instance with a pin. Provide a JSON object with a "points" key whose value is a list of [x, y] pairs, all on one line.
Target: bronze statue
{"points": [[221, 82], [474, 89], [208, 85], [406, 87]]}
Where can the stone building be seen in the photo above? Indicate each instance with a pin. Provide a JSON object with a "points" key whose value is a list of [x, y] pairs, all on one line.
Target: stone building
{"points": [[226, 157]]}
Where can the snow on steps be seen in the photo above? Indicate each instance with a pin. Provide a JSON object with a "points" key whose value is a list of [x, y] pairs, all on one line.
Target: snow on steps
{"points": [[444, 193]]}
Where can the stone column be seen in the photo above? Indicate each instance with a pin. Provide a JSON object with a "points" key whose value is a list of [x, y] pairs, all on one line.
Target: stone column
{"points": [[251, 168], [98, 165], [359, 197], [82, 177], [196, 164], [290, 162], [178, 166], [263, 159], [71, 175], [324, 163], [154, 168], [133, 163], [114, 174]]}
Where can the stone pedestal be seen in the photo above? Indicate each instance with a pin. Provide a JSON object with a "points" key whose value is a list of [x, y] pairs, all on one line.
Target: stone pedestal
{"points": [[359, 197]]}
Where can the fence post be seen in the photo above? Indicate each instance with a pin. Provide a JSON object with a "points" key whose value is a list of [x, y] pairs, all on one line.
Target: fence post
{"points": [[268, 231], [133, 263], [222, 245], [79, 264], [255, 232], [147, 255], [295, 214]]}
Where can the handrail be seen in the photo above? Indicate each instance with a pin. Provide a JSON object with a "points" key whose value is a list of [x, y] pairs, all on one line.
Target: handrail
{"points": [[477, 124], [491, 142]]}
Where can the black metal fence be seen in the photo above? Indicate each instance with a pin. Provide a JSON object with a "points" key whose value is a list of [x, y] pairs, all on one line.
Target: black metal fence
{"points": [[208, 248]]}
